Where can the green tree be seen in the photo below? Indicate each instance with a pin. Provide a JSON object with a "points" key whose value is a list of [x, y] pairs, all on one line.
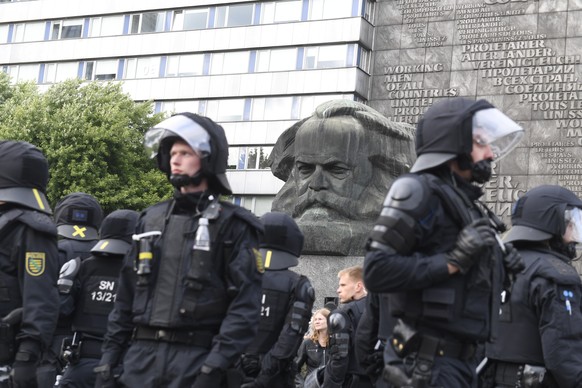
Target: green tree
{"points": [[91, 134]]}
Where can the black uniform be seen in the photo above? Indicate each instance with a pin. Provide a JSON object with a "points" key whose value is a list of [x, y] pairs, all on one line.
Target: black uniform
{"points": [[78, 216], [540, 329], [194, 307], [287, 301], [91, 298], [342, 368], [28, 260], [456, 310], [372, 334], [434, 248]]}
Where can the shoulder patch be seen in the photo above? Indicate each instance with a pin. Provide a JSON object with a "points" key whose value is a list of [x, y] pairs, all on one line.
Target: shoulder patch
{"points": [[259, 260], [35, 263]]}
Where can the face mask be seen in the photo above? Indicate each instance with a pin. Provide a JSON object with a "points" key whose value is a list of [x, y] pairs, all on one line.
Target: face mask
{"points": [[481, 171]]}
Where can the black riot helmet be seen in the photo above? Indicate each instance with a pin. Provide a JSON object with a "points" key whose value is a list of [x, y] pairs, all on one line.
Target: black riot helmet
{"points": [[546, 212], [115, 232], [282, 241], [78, 217], [24, 175], [448, 129], [204, 136]]}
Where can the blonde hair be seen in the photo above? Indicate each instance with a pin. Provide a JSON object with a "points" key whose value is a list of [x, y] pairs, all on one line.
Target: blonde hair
{"points": [[355, 273], [315, 333]]}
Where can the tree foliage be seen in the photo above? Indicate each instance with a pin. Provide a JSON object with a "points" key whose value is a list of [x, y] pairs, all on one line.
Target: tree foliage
{"points": [[91, 134]]}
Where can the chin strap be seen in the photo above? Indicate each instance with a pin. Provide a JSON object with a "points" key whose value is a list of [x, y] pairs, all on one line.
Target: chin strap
{"points": [[181, 180]]}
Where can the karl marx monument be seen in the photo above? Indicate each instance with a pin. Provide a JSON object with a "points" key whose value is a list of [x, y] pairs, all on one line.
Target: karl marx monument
{"points": [[338, 165]]}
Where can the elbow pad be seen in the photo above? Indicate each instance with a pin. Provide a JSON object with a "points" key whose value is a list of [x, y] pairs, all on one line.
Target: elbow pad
{"points": [[67, 275], [394, 230]]}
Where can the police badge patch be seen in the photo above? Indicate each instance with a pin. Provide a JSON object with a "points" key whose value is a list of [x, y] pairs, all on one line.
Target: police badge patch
{"points": [[35, 263]]}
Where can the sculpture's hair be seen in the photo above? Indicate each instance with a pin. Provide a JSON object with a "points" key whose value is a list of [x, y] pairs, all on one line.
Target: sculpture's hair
{"points": [[282, 158], [368, 117]]}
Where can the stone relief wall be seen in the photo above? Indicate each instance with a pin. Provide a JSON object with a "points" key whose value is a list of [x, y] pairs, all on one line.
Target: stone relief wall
{"points": [[522, 55]]}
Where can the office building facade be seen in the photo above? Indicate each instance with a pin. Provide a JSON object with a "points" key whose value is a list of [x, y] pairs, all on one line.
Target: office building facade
{"points": [[256, 67]]}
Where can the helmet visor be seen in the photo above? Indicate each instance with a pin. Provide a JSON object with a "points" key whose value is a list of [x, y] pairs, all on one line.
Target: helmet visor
{"points": [[491, 127], [573, 218], [181, 126]]}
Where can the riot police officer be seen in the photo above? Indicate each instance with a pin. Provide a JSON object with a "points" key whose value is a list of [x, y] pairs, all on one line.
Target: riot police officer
{"points": [[286, 306], [540, 328], [189, 296], [28, 260], [434, 246], [90, 299], [78, 216]]}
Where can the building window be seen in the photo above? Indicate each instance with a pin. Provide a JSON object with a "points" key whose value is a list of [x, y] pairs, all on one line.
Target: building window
{"points": [[106, 26], [147, 22], [276, 60], [142, 68], [249, 157], [58, 72], [329, 9], [22, 73], [172, 107], [259, 205], [368, 10], [325, 57], [194, 19], [234, 15], [185, 65], [230, 63], [272, 108], [28, 32], [226, 110], [364, 59], [67, 29], [101, 70], [281, 11]]}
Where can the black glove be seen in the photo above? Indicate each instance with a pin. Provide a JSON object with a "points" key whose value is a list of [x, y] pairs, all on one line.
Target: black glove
{"points": [[24, 368], [472, 241], [209, 377], [512, 259], [104, 378], [250, 364], [375, 362]]}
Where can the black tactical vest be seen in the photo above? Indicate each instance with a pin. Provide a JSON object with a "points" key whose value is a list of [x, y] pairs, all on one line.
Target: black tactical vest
{"points": [[277, 299], [186, 288], [461, 306], [99, 281], [519, 337]]}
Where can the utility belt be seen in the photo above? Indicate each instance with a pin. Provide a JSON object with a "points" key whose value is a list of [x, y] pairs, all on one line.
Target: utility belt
{"points": [[422, 348], [522, 375], [80, 346], [199, 338], [406, 340]]}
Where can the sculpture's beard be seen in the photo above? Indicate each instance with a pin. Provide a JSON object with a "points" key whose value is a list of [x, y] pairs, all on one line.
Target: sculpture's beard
{"points": [[324, 205]]}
